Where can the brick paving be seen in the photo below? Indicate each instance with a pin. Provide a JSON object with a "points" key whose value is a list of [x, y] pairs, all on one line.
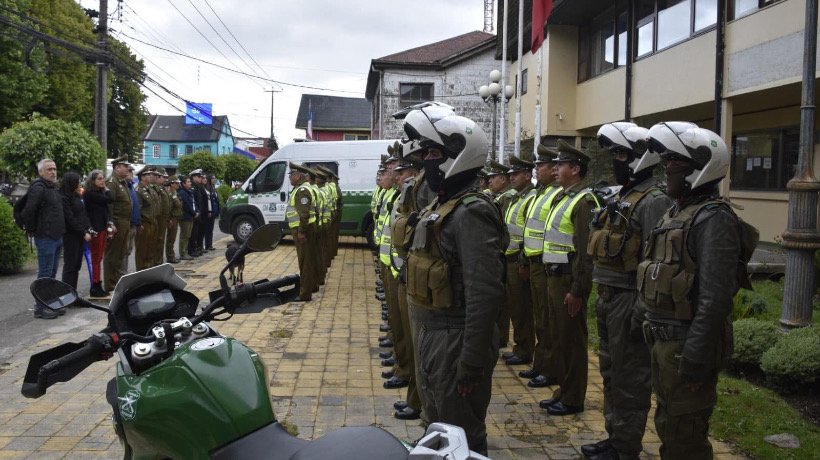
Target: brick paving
{"points": [[323, 370]]}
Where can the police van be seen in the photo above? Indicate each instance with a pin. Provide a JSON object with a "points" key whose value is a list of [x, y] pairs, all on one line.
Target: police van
{"points": [[263, 197]]}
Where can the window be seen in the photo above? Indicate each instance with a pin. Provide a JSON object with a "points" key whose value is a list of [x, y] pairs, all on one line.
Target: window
{"points": [[189, 149], [207, 148], [198, 148], [705, 14], [363, 137], [350, 137], [524, 82], [674, 22], [156, 151], [764, 160], [740, 8], [665, 23], [413, 93], [602, 44], [173, 151], [270, 179]]}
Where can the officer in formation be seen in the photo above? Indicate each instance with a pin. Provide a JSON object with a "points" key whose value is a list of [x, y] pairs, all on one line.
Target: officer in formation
{"points": [[502, 194], [616, 247], [695, 263], [334, 192], [484, 182], [120, 212], [301, 217], [174, 217], [149, 202], [163, 214]]}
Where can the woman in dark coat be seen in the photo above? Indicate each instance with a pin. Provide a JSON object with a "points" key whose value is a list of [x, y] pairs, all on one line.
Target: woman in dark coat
{"points": [[76, 228], [97, 198]]}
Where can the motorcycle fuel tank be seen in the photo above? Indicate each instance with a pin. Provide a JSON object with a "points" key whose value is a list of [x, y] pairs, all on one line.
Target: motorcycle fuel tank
{"points": [[208, 393]]}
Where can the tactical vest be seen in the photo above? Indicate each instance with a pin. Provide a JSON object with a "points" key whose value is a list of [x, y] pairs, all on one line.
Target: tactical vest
{"points": [[398, 226], [614, 244], [537, 221], [514, 219], [385, 239], [559, 229], [429, 274], [291, 214]]}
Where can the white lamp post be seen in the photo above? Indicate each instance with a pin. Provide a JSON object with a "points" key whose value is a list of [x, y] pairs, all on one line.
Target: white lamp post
{"points": [[492, 94]]}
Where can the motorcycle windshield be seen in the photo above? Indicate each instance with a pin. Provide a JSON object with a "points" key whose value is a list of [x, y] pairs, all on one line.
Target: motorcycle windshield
{"points": [[160, 274]]}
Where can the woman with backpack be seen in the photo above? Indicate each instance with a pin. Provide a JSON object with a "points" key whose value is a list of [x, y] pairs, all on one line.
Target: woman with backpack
{"points": [[77, 228], [97, 198]]}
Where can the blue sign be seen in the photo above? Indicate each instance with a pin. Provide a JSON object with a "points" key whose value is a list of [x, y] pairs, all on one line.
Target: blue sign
{"points": [[198, 113]]}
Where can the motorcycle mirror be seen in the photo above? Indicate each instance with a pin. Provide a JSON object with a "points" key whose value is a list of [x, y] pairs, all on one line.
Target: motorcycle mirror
{"points": [[264, 238], [54, 294]]}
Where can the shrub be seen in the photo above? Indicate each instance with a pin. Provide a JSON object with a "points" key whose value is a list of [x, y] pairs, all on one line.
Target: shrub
{"points": [[752, 338], [748, 306], [223, 191], [794, 361], [13, 243]]}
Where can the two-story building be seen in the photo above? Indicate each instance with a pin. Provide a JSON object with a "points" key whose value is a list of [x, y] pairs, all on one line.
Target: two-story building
{"points": [[449, 71], [675, 60], [335, 118], [168, 137]]}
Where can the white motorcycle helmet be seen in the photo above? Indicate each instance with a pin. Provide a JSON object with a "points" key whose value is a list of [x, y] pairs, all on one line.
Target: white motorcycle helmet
{"points": [[412, 147], [628, 138], [704, 149], [460, 139]]}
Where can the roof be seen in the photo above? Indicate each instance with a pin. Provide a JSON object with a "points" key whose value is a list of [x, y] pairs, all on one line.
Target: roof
{"points": [[438, 55], [172, 128], [334, 112]]}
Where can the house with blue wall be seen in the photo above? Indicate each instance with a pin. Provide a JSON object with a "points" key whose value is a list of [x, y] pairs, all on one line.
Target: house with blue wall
{"points": [[168, 137]]}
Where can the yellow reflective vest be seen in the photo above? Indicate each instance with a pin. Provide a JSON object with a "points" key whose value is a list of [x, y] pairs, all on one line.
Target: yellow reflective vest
{"points": [[559, 229]]}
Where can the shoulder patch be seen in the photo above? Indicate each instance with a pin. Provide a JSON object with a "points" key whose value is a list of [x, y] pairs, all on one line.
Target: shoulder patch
{"points": [[656, 192], [470, 199]]}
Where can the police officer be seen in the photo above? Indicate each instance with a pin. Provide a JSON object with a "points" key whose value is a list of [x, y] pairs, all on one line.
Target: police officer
{"points": [[503, 194], [616, 248], [484, 182], [333, 190], [543, 372], [519, 299], [146, 232], [301, 218], [687, 284], [173, 220], [321, 228], [569, 278], [163, 217], [120, 212], [455, 305]]}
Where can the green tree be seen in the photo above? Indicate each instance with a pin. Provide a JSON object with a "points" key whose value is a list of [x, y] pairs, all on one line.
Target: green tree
{"points": [[126, 113], [21, 86], [70, 145], [237, 168], [206, 161]]}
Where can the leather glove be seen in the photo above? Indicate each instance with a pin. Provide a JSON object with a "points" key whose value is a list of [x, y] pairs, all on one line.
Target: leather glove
{"points": [[692, 372]]}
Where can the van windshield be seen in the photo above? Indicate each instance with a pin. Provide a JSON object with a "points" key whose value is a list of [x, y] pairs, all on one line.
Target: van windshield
{"points": [[270, 178]]}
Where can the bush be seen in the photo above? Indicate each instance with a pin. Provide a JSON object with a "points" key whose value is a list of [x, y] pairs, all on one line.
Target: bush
{"points": [[752, 338], [794, 361], [223, 191], [13, 243], [748, 306]]}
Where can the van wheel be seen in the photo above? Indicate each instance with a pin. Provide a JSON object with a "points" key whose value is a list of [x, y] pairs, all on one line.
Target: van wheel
{"points": [[243, 226], [368, 234]]}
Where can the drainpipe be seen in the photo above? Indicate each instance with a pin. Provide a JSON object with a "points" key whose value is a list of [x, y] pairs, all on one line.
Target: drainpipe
{"points": [[630, 39], [801, 239], [381, 104], [720, 45]]}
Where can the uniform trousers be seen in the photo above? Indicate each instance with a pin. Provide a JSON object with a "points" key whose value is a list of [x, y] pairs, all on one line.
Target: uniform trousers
{"points": [[401, 341], [571, 340], [682, 415], [625, 368], [143, 245], [115, 250], [519, 306], [321, 249], [544, 356], [132, 232], [170, 239], [306, 256], [159, 236], [413, 398]]}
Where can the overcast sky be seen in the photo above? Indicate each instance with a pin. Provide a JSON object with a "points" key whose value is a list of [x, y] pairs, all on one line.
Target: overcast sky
{"points": [[320, 43]]}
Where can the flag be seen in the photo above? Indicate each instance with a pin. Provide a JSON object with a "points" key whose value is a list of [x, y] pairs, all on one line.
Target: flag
{"points": [[541, 10], [310, 121]]}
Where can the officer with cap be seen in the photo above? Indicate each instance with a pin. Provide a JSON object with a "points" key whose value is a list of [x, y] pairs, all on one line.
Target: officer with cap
{"points": [[321, 227], [543, 372], [327, 212], [163, 218], [196, 247], [173, 220], [455, 305], [569, 278], [484, 182], [503, 194], [120, 212], [616, 248], [695, 262], [146, 232], [518, 307], [301, 218], [332, 185]]}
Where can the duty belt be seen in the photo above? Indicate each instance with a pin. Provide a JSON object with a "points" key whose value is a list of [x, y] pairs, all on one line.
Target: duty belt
{"points": [[534, 259], [558, 269], [666, 332], [513, 257]]}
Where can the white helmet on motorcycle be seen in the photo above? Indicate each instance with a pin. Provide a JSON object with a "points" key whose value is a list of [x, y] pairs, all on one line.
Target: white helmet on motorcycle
{"points": [[705, 150], [460, 139], [625, 137]]}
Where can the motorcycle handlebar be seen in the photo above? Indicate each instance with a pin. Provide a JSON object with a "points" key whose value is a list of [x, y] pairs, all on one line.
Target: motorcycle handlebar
{"points": [[63, 368]]}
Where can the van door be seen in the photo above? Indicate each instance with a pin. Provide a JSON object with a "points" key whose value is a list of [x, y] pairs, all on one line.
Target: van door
{"points": [[268, 192]]}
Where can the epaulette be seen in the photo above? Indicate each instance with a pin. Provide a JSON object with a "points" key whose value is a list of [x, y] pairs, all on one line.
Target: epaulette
{"points": [[470, 199], [656, 192]]}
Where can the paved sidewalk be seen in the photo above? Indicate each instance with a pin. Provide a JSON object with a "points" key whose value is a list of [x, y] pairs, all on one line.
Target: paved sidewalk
{"points": [[323, 370]]}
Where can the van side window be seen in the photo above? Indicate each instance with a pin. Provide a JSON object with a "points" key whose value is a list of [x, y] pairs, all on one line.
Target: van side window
{"points": [[270, 178]]}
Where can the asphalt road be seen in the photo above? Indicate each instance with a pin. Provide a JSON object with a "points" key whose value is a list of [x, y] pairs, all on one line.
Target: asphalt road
{"points": [[18, 327]]}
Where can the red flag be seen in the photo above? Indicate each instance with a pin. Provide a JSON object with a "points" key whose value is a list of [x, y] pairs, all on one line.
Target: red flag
{"points": [[541, 10]]}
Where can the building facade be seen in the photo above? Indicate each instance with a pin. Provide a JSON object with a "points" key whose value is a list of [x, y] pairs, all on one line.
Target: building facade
{"points": [[671, 60], [168, 137], [334, 118]]}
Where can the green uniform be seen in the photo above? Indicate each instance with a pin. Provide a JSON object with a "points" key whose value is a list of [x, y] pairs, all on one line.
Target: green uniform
{"points": [[117, 247], [456, 307], [697, 243], [301, 218], [503, 199], [616, 248], [146, 235], [164, 200], [569, 270], [519, 298], [174, 216]]}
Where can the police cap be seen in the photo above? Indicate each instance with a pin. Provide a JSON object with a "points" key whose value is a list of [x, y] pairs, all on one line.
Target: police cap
{"points": [[566, 152], [545, 155], [517, 164], [495, 168]]}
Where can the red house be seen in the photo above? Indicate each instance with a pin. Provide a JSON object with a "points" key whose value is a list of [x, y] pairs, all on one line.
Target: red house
{"points": [[335, 118]]}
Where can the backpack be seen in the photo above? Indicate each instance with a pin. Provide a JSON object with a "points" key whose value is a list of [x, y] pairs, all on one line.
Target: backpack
{"points": [[19, 205]]}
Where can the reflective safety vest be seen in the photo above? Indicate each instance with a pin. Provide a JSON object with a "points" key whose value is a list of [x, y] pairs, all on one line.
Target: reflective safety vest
{"points": [[320, 203], [328, 203], [559, 230], [291, 214], [537, 221], [515, 218], [385, 241]]}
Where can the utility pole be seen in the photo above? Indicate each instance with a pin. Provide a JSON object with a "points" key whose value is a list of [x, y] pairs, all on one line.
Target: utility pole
{"points": [[101, 98], [272, 93]]}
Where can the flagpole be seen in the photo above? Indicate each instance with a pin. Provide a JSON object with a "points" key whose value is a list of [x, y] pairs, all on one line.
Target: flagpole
{"points": [[537, 136], [502, 118], [518, 80]]}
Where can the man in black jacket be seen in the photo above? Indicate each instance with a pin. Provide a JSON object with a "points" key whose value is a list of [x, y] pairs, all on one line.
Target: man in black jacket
{"points": [[44, 219], [195, 244]]}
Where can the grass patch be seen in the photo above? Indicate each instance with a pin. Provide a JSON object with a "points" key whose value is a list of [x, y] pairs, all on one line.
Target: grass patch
{"points": [[746, 413], [282, 333], [289, 427]]}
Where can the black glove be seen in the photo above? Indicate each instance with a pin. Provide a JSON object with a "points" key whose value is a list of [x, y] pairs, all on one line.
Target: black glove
{"points": [[692, 372], [467, 374]]}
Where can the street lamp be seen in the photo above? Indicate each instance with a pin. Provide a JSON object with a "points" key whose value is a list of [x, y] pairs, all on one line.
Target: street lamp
{"points": [[492, 94]]}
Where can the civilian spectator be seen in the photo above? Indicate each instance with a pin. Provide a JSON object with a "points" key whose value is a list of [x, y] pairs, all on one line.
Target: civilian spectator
{"points": [[43, 218], [77, 232], [134, 221], [97, 198], [190, 212], [213, 211]]}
